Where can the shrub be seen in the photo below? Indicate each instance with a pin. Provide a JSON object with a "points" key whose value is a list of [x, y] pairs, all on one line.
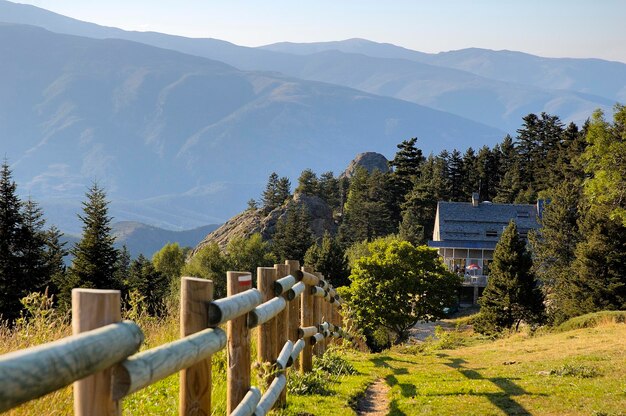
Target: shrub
{"points": [[314, 382], [332, 363], [592, 320], [580, 371]]}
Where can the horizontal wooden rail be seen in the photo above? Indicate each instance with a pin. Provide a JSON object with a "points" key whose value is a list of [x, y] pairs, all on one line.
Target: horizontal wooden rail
{"points": [[284, 357], [307, 331], [318, 291], [266, 311], [295, 291], [316, 338], [323, 284], [310, 279], [157, 363], [249, 403], [34, 372], [225, 309], [270, 396], [284, 284], [297, 348]]}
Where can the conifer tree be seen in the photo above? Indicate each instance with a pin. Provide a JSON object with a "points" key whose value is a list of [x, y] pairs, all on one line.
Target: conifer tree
{"points": [[554, 247], [329, 189], [406, 165], [511, 295], [293, 235], [11, 244], [95, 258], [307, 183], [329, 258], [35, 265], [283, 190], [270, 197], [456, 172], [152, 285]]}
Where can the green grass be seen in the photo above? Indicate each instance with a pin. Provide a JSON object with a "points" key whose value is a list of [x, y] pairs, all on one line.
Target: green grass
{"points": [[578, 369]]}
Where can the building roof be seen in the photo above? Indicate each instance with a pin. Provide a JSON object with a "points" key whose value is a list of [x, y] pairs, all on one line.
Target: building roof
{"points": [[480, 245], [461, 221]]}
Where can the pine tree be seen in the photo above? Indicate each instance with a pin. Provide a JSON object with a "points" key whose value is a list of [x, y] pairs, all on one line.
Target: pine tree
{"points": [[599, 279], [329, 189], [283, 190], [11, 243], [149, 283], [406, 166], [270, 197], [456, 172], [554, 247], [35, 267], [329, 258], [307, 183], [95, 258], [511, 295], [292, 236]]}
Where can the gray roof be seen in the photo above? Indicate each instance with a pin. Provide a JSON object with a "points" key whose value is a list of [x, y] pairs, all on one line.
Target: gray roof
{"points": [[461, 221]]}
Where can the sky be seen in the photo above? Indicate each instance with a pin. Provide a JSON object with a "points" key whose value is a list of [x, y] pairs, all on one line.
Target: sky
{"points": [[551, 28]]}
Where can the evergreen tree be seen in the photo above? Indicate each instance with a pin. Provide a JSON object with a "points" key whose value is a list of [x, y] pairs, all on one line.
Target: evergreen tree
{"points": [[122, 266], [293, 235], [456, 172], [329, 258], [599, 282], [95, 258], [406, 166], [55, 254], [329, 189], [554, 246], [307, 183], [367, 214], [283, 190], [511, 295], [270, 197], [150, 284], [35, 267], [11, 244], [487, 166], [471, 174]]}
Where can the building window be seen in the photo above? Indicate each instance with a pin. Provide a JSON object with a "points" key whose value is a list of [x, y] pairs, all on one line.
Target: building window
{"points": [[522, 214], [491, 233]]}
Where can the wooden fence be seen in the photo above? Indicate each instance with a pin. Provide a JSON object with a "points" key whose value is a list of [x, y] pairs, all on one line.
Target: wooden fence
{"points": [[296, 311]]}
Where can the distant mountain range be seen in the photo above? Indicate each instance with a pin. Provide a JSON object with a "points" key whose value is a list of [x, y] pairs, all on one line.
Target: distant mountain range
{"points": [[145, 239], [182, 132]]}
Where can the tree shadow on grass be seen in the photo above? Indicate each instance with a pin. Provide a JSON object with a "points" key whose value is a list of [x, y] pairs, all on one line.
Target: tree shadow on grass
{"points": [[503, 400]]}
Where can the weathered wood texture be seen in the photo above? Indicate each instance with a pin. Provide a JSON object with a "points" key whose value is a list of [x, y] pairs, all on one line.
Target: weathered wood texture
{"points": [[308, 277], [295, 303], [282, 327], [293, 293], [285, 283], [231, 307], [238, 370], [271, 395], [317, 292], [266, 335], [306, 359], [297, 348], [91, 309], [248, 404], [307, 331], [318, 304], [195, 382], [284, 356], [157, 363], [33, 372], [266, 311], [316, 339]]}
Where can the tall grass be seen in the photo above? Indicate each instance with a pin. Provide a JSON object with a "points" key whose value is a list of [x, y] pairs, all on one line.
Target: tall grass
{"points": [[592, 320]]}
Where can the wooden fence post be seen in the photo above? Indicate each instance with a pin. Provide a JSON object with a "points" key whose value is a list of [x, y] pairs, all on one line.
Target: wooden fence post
{"points": [[266, 333], [238, 334], [294, 308], [195, 381], [282, 322], [91, 309], [306, 358]]}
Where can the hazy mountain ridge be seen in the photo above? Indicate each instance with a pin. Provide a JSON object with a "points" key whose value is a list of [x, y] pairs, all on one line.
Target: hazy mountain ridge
{"points": [[179, 140]]}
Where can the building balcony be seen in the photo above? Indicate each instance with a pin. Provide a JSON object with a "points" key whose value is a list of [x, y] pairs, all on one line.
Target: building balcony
{"points": [[471, 280]]}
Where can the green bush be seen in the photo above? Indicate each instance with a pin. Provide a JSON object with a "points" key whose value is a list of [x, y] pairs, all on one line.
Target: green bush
{"points": [[332, 363], [592, 320], [580, 371], [314, 382]]}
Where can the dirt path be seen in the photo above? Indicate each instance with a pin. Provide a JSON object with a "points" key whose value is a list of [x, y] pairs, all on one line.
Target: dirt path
{"points": [[375, 401]]}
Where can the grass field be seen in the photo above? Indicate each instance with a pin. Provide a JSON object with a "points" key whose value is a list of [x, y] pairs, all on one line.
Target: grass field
{"points": [[574, 372], [577, 369]]}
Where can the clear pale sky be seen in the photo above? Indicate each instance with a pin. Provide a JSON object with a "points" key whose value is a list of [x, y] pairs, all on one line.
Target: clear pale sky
{"points": [[553, 28]]}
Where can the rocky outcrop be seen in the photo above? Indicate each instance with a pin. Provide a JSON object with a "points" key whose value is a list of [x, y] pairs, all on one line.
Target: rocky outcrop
{"points": [[370, 161], [258, 221]]}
